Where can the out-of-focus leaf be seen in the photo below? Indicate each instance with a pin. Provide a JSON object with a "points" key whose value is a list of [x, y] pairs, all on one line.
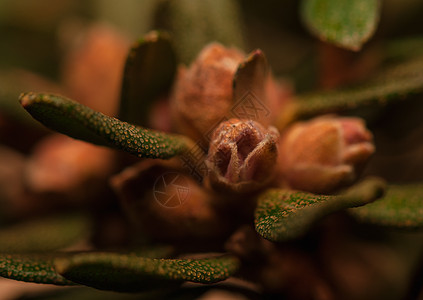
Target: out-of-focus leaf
{"points": [[12, 164], [182, 293], [402, 207], [81, 122], [87, 293], [285, 214], [345, 23], [149, 72], [112, 271], [38, 268], [157, 251], [132, 17], [194, 24], [45, 234], [390, 85], [404, 48]]}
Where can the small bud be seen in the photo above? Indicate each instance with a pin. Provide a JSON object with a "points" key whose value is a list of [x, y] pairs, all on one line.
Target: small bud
{"points": [[62, 165], [203, 93], [242, 155], [93, 65], [324, 154], [165, 203]]}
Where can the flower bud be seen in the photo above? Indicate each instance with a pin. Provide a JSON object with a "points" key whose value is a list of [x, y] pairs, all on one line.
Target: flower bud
{"points": [[203, 93], [166, 204], [93, 65], [324, 154], [242, 155], [64, 166]]}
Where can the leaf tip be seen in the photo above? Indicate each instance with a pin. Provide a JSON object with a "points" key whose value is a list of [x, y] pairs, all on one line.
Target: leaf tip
{"points": [[368, 191], [60, 265], [27, 98], [256, 56]]}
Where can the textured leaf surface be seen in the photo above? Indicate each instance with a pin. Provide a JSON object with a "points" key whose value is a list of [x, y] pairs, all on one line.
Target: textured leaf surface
{"points": [[390, 85], [81, 122], [346, 23], [45, 234], [149, 72], [120, 272], [194, 24], [402, 206], [285, 214], [36, 268]]}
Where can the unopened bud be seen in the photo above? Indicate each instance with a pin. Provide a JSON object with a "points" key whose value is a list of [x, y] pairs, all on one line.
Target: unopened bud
{"points": [[242, 155], [203, 92], [324, 154], [165, 203], [62, 165]]}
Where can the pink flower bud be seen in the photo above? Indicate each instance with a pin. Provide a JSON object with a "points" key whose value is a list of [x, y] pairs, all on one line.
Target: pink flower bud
{"points": [[203, 92], [324, 154], [242, 155]]}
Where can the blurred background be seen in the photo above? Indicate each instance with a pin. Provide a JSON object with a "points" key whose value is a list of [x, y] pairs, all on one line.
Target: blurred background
{"points": [[78, 48]]}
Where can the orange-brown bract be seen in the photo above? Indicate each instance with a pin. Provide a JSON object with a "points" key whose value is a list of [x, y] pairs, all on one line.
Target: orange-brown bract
{"points": [[325, 153]]}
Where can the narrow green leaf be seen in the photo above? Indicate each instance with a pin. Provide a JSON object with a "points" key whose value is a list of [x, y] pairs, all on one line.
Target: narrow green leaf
{"points": [[251, 76], [46, 234], [402, 207], [81, 122], [345, 23], [119, 272], [285, 214], [149, 72], [193, 24], [38, 268], [390, 85]]}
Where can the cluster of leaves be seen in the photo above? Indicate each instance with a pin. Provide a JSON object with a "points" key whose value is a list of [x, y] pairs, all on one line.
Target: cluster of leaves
{"points": [[281, 215]]}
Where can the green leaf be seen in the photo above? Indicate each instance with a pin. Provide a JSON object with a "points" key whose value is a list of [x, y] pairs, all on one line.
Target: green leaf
{"points": [[149, 72], [345, 23], [390, 85], [46, 234], [193, 24], [39, 267], [36, 268], [119, 272], [402, 207], [81, 122], [251, 76], [285, 214]]}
